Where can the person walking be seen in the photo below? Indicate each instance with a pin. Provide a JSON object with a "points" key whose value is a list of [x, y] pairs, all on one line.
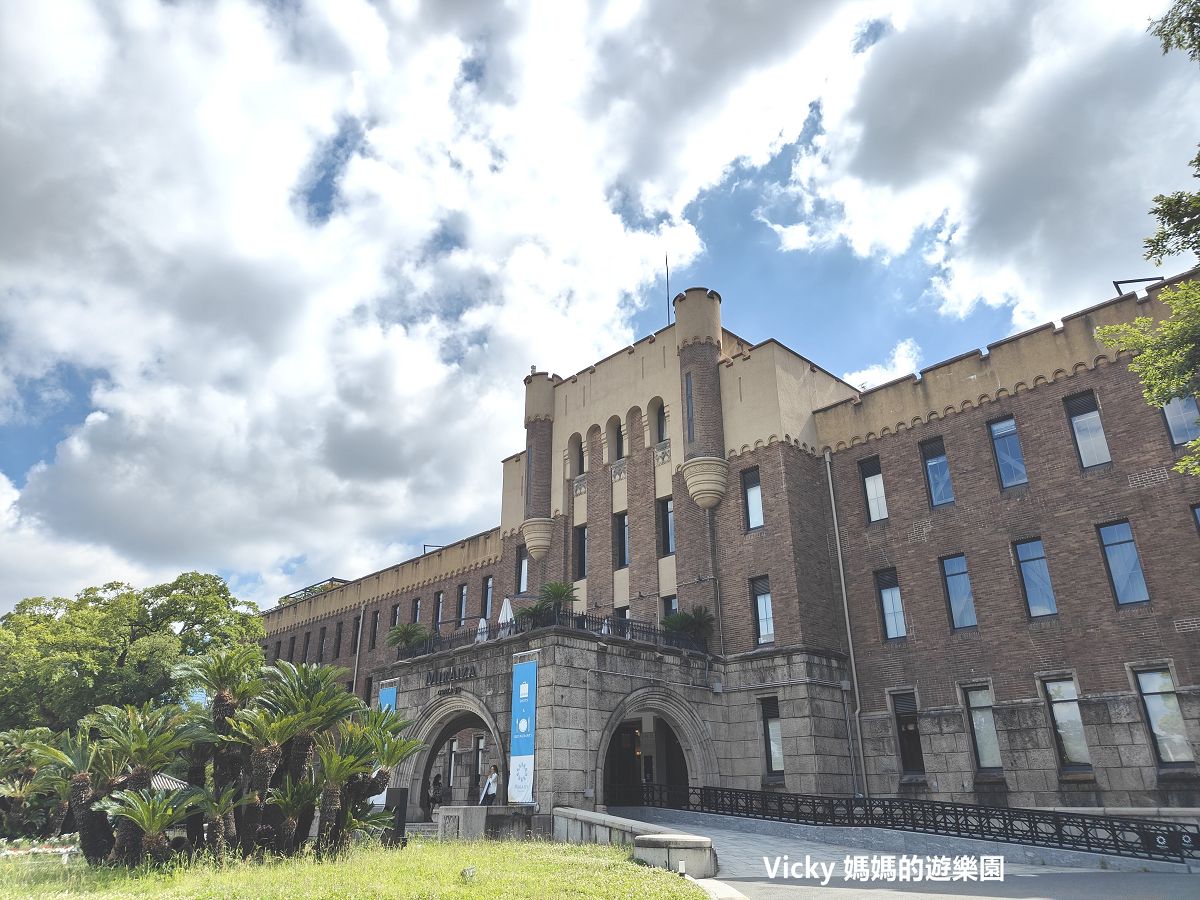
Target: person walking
{"points": [[488, 795]]}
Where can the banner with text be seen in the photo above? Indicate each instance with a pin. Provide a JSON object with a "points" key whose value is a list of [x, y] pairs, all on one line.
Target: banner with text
{"points": [[524, 718]]}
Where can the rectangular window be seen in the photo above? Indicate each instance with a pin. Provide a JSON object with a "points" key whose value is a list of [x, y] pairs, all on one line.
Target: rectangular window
{"points": [[416, 610], [337, 640], [374, 630], [292, 648], [621, 612], [620, 540], [752, 494], [307, 641], [983, 727], [1084, 413], [1006, 445], [660, 423], [370, 683], [764, 615], [462, 605], [1124, 567], [439, 607], [908, 734], [580, 552], [687, 394], [395, 615], [937, 472], [1164, 717], [486, 603], [1035, 578], [891, 607], [478, 760], [354, 633], [1183, 420], [872, 479], [772, 735], [278, 647], [321, 645], [670, 605], [1068, 725], [451, 751], [522, 569], [958, 591], [666, 526]]}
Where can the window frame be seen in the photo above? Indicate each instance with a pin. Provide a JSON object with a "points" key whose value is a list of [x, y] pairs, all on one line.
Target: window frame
{"points": [[291, 654], [966, 573], [996, 456], [765, 706], [755, 583], [1112, 585], [622, 543], [879, 589], [1064, 766], [862, 478], [278, 649], [337, 640], [395, 614], [665, 508], [487, 597], [307, 645], [439, 607], [415, 610], [461, 606], [1075, 434], [1135, 671], [1021, 578], [321, 644], [579, 549], [673, 605], [922, 448], [522, 577], [1167, 421], [373, 640], [967, 690], [752, 471], [905, 771]]}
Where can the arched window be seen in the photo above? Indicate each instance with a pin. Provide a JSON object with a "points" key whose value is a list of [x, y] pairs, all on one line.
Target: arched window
{"points": [[615, 439], [657, 413], [575, 462]]}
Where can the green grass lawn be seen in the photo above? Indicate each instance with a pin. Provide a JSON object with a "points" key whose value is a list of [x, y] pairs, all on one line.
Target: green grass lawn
{"points": [[425, 869]]}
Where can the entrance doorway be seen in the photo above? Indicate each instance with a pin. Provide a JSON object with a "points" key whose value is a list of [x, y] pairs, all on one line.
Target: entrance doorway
{"points": [[458, 756], [643, 751]]}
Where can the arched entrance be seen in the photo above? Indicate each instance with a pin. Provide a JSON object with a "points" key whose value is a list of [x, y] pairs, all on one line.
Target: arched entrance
{"points": [[655, 736], [460, 744]]}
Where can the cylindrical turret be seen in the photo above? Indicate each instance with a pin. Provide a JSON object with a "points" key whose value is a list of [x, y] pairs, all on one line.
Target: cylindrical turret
{"points": [[539, 447], [698, 337]]}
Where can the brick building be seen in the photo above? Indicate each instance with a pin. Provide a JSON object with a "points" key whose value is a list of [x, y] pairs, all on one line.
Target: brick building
{"points": [[979, 584]]}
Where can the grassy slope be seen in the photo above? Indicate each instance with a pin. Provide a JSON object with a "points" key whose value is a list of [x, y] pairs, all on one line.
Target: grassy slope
{"points": [[424, 869]]}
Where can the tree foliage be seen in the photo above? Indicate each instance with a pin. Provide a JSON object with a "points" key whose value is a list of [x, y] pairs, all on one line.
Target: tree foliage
{"points": [[1166, 354], [115, 644]]}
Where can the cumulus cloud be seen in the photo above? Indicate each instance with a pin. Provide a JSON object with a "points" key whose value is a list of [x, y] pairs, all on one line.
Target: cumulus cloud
{"points": [[904, 359], [1017, 145]]}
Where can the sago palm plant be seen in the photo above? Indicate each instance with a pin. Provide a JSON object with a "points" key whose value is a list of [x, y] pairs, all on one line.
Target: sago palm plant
{"points": [[217, 809], [152, 813], [291, 799], [338, 765]]}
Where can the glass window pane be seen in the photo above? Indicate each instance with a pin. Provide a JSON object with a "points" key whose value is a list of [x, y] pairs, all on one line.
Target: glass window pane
{"points": [[766, 618], [1036, 577], [958, 589], [937, 470], [1009, 457], [1156, 682], [1166, 724], [1126, 571], [876, 501], [893, 612], [1070, 733], [754, 510], [1183, 419], [1089, 436], [1061, 690], [775, 744], [987, 744]]}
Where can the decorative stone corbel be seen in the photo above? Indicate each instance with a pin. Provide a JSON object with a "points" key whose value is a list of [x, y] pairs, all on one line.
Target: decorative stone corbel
{"points": [[706, 478]]}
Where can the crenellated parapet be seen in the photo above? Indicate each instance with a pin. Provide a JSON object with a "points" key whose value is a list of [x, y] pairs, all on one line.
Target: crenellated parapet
{"points": [[1010, 366]]}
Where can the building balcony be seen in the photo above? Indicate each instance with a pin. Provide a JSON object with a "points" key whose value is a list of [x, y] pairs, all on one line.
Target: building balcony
{"points": [[632, 630]]}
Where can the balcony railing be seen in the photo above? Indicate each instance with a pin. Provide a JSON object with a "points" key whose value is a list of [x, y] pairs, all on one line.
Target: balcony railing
{"points": [[1142, 838], [601, 626]]}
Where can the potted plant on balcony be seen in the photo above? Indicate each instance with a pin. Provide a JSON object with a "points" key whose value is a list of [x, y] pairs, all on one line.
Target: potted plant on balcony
{"points": [[696, 625], [553, 596], [407, 635]]}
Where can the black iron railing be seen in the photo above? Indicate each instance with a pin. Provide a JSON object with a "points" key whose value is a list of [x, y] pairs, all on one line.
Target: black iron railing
{"points": [[602, 626], [1142, 838]]}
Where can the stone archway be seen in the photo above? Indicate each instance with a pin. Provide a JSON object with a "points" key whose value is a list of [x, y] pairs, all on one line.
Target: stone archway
{"points": [[689, 728], [437, 720]]}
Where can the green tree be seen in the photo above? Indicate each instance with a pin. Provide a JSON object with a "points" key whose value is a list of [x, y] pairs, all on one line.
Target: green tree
{"points": [[406, 634], [61, 658], [1166, 354], [1178, 213]]}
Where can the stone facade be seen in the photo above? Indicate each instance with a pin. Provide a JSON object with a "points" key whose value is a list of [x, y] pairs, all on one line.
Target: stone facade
{"points": [[611, 444]]}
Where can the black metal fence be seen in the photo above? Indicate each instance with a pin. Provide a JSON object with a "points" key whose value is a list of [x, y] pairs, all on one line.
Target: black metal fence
{"points": [[602, 626], [1141, 838]]}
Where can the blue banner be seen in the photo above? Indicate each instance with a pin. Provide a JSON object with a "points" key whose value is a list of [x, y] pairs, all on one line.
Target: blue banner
{"points": [[524, 727]]}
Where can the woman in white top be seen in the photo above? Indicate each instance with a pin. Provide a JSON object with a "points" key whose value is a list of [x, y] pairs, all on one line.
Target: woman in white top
{"points": [[488, 795]]}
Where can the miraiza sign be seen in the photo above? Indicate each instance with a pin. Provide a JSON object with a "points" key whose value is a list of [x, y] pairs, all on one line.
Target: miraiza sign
{"points": [[453, 673]]}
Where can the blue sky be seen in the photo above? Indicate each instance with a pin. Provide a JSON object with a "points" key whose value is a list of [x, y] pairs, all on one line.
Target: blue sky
{"points": [[271, 274]]}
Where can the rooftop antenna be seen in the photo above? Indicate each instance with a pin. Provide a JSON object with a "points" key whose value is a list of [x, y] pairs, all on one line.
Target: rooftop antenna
{"points": [[667, 267]]}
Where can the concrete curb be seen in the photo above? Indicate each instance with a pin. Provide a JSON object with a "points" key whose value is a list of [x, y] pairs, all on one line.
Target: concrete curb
{"points": [[718, 890]]}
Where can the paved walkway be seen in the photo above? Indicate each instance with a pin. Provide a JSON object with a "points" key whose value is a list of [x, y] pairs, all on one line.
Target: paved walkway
{"points": [[740, 857]]}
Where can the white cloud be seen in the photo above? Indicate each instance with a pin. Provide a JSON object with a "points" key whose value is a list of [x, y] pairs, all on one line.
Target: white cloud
{"points": [[904, 359]]}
